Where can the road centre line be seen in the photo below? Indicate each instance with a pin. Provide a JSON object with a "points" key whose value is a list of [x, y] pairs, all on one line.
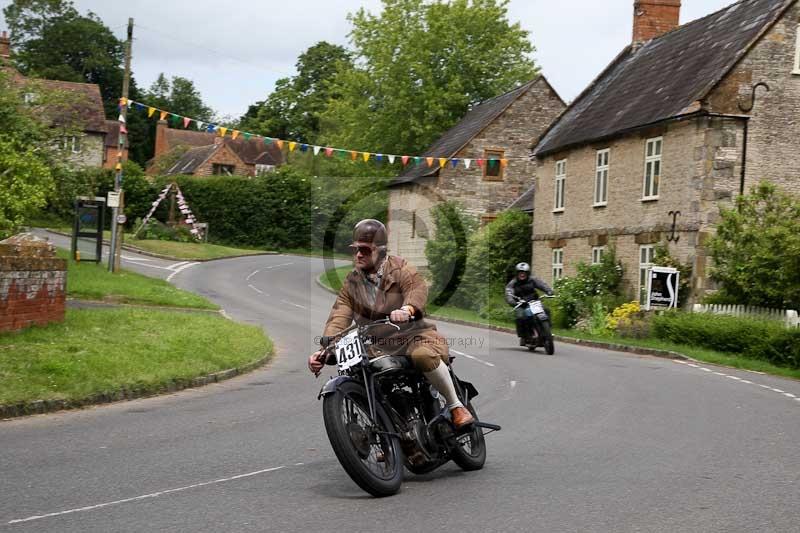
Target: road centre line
{"points": [[146, 496], [276, 266], [468, 356], [252, 274], [181, 269], [296, 305], [737, 378], [259, 291]]}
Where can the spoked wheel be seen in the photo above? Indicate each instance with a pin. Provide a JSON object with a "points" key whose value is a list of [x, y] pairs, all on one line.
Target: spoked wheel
{"points": [[470, 450], [372, 458]]}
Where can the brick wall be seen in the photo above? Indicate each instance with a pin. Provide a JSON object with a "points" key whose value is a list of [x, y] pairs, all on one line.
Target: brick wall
{"points": [[513, 132], [652, 18], [110, 157], [32, 284], [225, 156], [701, 163], [774, 133]]}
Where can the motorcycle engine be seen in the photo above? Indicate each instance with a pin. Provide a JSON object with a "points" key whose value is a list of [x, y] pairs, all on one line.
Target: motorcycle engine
{"points": [[417, 443]]}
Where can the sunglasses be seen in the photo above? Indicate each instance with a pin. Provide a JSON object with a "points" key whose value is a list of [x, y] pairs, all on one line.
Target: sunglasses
{"points": [[363, 250]]}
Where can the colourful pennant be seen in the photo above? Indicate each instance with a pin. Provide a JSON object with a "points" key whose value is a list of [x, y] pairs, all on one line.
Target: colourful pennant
{"points": [[163, 115], [279, 143], [391, 159], [353, 155], [365, 155], [316, 150], [223, 131], [503, 163], [467, 163], [150, 111], [247, 136], [328, 151], [235, 134], [404, 159], [186, 122], [454, 162], [442, 162], [430, 161], [292, 146]]}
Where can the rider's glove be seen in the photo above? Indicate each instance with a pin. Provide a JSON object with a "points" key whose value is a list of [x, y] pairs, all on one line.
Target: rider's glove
{"points": [[315, 362]]}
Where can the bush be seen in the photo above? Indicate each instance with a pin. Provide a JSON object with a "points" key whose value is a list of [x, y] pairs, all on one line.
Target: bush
{"points": [[576, 296], [446, 252], [754, 338]]}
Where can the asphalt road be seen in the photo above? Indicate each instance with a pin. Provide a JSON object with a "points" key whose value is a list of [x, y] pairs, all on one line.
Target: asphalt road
{"points": [[592, 440]]}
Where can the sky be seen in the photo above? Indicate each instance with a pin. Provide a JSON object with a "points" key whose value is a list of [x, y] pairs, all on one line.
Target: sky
{"points": [[234, 51]]}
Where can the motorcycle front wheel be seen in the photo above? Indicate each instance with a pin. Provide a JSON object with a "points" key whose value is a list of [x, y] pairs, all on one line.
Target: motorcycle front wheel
{"points": [[470, 450], [371, 457], [547, 338]]}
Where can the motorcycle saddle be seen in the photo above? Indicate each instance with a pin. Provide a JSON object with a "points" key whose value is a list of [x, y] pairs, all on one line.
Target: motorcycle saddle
{"points": [[386, 363]]}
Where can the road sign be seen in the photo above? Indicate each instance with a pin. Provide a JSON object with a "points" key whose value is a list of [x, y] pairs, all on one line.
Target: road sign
{"points": [[121, 219], [662, 288], [113, 199]]}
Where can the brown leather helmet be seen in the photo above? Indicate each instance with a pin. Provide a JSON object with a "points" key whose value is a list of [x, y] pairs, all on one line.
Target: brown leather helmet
{"points": [[371, 231]]}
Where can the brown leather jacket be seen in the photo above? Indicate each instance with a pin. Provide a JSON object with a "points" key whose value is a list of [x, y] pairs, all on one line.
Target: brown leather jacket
{"points": [[400, 285]]}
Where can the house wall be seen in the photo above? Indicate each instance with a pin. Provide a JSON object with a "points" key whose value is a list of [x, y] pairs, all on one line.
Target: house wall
{"points": [[513, 131], [92, 150], [701, 161], [224, 156], [774, 131], [110, 157]]}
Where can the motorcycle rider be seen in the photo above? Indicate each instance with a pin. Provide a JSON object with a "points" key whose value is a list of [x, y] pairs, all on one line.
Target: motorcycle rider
{"points": [[523, 287], [382, 286]]}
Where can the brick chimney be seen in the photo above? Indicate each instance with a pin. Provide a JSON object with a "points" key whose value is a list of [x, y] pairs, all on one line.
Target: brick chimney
{"points": [[652, 18], [5, 47], [162, 145]]}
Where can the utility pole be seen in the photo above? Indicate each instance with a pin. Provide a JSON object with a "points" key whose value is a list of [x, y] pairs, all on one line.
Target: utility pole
{"points": [[117, 228]]}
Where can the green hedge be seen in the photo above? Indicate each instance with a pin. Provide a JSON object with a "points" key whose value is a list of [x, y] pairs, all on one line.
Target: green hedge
{"points": [[753, 338]]}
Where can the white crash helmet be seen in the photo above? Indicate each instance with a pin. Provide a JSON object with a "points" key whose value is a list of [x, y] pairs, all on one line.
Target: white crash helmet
{"points": [[523, 267]]}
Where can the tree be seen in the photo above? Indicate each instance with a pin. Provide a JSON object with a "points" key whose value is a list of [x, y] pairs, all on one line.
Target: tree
{"points": [[53, 40], [756, 249], [420, 65], [292, 110]]}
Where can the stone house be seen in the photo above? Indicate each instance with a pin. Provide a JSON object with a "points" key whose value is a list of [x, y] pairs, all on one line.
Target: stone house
{"points": [[82, 112], [501, 128], [684, 119], [207, 154]]}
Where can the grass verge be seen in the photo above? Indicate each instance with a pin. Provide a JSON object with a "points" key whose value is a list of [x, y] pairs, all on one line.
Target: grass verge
{"points": [[701, 354], [333, 278], [190, 251], [103, 350], [91, 281]]}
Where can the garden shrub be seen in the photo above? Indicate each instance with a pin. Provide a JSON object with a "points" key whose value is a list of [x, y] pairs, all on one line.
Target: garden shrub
{"points": [[759, 339], [576, 295], [446, 253]]}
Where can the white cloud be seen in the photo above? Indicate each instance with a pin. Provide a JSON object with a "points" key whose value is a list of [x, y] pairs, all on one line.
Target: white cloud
{"points": [[235, 50]]}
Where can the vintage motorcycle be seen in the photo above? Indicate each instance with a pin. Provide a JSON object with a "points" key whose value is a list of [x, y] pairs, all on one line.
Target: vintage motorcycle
{"points": [[537, 325], [381, 414]]}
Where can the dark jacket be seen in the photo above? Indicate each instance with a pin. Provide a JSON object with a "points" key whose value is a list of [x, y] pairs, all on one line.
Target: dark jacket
{"points": [[525, 289]]}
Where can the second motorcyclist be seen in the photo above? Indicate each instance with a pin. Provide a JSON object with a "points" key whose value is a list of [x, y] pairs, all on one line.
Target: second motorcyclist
{"points": [[524, 287]]}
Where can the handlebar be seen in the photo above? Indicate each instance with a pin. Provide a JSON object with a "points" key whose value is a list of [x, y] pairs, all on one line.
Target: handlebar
{"points": [[325, 341]]}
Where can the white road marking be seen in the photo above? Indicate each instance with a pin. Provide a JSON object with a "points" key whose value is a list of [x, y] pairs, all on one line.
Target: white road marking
{"points": [[276, 266], [252, 274], [176, 265], [296, 305], [181, 269], [129, 258], [737, 378], [468, 356], [512, 383], [145, 496], [259, 291]]}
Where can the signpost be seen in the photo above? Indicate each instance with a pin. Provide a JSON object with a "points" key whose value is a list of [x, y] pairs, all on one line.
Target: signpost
{"points": [[662, 288]]}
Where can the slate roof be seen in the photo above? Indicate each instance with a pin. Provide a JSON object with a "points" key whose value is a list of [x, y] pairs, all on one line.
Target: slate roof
{"points": [[664, 78], [524, 202], [193, 158], [467, 128]]}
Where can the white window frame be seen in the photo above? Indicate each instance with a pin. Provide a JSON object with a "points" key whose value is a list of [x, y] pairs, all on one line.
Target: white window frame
{"points": [[71, 143], [29, 98], [797, 53], [597, 254], [646, 254], [602, 165], [651, 180], [561, 180], [558, 264]]}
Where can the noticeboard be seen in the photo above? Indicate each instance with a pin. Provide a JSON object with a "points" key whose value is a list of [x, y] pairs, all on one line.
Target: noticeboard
{"points": [[662, 288]]}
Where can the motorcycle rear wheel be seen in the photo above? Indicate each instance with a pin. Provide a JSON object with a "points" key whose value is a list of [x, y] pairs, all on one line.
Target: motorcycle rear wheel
{"points": [[470, 450], [547, 338], [373, 460]]}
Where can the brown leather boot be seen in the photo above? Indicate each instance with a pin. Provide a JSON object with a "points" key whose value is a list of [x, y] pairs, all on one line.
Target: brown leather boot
{"points": [[461, 417]]}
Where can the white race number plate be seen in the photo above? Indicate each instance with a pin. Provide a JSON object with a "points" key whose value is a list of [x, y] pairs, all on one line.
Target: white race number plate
{"points": [[349, 350], [536, 307]]}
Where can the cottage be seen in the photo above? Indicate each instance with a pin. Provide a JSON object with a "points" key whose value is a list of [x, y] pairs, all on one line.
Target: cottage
{"points": [[81, 112], [206, 154], [683, 119], [499, 128]]}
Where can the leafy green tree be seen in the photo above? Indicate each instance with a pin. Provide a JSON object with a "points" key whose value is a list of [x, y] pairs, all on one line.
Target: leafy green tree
{"points": [[756, 249], [292, 110], [179, 96], [53, 40], [420, 65], [446, 251]]}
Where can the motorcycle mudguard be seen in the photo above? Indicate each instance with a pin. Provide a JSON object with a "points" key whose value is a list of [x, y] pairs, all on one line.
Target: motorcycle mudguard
{"points": [[468, 388], [332, 385]]}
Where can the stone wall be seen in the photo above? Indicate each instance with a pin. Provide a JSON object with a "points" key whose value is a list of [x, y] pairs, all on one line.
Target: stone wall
{"points": [[773, 140], [512, 132], [32, 283], [92, 151], [701, 165], [225, 156]]}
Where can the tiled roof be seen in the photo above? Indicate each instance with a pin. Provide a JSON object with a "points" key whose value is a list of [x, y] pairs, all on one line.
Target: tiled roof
{"points": [[177, 137], [85, 107], [252, 151], [112, 135], [524, 202], [666, 77], [192, 159], [467, 128]]}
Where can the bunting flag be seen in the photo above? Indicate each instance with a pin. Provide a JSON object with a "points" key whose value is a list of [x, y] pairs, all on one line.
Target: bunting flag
{"points": [[183, 207], [329, 151]]}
